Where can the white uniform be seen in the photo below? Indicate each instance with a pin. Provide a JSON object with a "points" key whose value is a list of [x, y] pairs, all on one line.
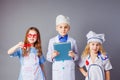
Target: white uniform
{"points": [[64, 69], [96, 70]]}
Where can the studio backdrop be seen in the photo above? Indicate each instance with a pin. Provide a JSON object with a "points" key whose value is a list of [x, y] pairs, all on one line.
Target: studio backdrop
{"points": [[16, 16]]}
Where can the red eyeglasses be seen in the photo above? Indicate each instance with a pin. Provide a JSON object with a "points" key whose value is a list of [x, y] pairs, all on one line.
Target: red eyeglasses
{"points": [[32, 35]]}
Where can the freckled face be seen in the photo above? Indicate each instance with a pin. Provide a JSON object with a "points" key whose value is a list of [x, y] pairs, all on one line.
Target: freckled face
{"points": [[94, 47], [62, 29], [32, 36]]}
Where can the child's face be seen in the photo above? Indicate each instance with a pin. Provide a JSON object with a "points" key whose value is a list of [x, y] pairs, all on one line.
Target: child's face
{"points": [[32, 36], [94, 47], [63, 29]]}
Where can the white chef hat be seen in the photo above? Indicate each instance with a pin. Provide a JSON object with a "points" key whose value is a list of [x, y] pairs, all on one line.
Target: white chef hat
{"points": [[93, 37], [62, 19]]}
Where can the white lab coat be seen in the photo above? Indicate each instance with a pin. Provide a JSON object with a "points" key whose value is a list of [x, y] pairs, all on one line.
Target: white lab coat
{"points": [[62, 70], [96, 70]]}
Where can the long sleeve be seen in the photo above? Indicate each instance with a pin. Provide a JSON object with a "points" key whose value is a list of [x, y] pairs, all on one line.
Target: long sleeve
{"points": [[50, 50], [76, 51]]}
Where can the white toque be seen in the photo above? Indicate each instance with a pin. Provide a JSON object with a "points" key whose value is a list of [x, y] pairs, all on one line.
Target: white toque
{"points": [[93, 37], [62, 19]]}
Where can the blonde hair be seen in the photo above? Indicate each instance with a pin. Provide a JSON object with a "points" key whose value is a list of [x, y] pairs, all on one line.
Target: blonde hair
{"points": [[37, 44], [86, 51]]}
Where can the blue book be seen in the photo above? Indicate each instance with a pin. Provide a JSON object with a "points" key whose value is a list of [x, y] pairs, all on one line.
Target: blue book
{"points": [[63, 48]]}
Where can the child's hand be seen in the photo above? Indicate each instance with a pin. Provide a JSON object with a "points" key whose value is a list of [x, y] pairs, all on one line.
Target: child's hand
{"points": [[54, 54], [20, 45], [14, 48], [85, 74], [71, 54], [83, 71]]}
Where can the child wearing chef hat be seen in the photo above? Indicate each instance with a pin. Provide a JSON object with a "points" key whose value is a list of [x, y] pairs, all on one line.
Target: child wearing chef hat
{"points": [[94, 58], [62, 69]]}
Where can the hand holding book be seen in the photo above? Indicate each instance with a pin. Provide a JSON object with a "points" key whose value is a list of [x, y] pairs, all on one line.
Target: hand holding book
{"points": [[54, 54], [64, 50], [71, 54]]}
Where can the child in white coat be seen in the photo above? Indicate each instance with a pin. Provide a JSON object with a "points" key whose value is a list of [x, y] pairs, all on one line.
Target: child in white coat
{"points": [[62, 69], [94, 58]]}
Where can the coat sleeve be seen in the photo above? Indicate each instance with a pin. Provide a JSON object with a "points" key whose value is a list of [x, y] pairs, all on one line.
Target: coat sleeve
{"points": [[75, 50], [50, 50]]}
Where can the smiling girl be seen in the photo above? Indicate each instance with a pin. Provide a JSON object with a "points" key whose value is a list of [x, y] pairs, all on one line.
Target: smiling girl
{"points": [[30, 55], [94, 58]]}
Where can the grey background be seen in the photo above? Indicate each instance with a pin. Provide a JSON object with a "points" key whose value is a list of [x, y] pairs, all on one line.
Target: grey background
{"points": [[16, 16]]}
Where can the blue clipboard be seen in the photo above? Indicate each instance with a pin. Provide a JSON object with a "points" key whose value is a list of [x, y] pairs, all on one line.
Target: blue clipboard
{"points": [[63, 48]]}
